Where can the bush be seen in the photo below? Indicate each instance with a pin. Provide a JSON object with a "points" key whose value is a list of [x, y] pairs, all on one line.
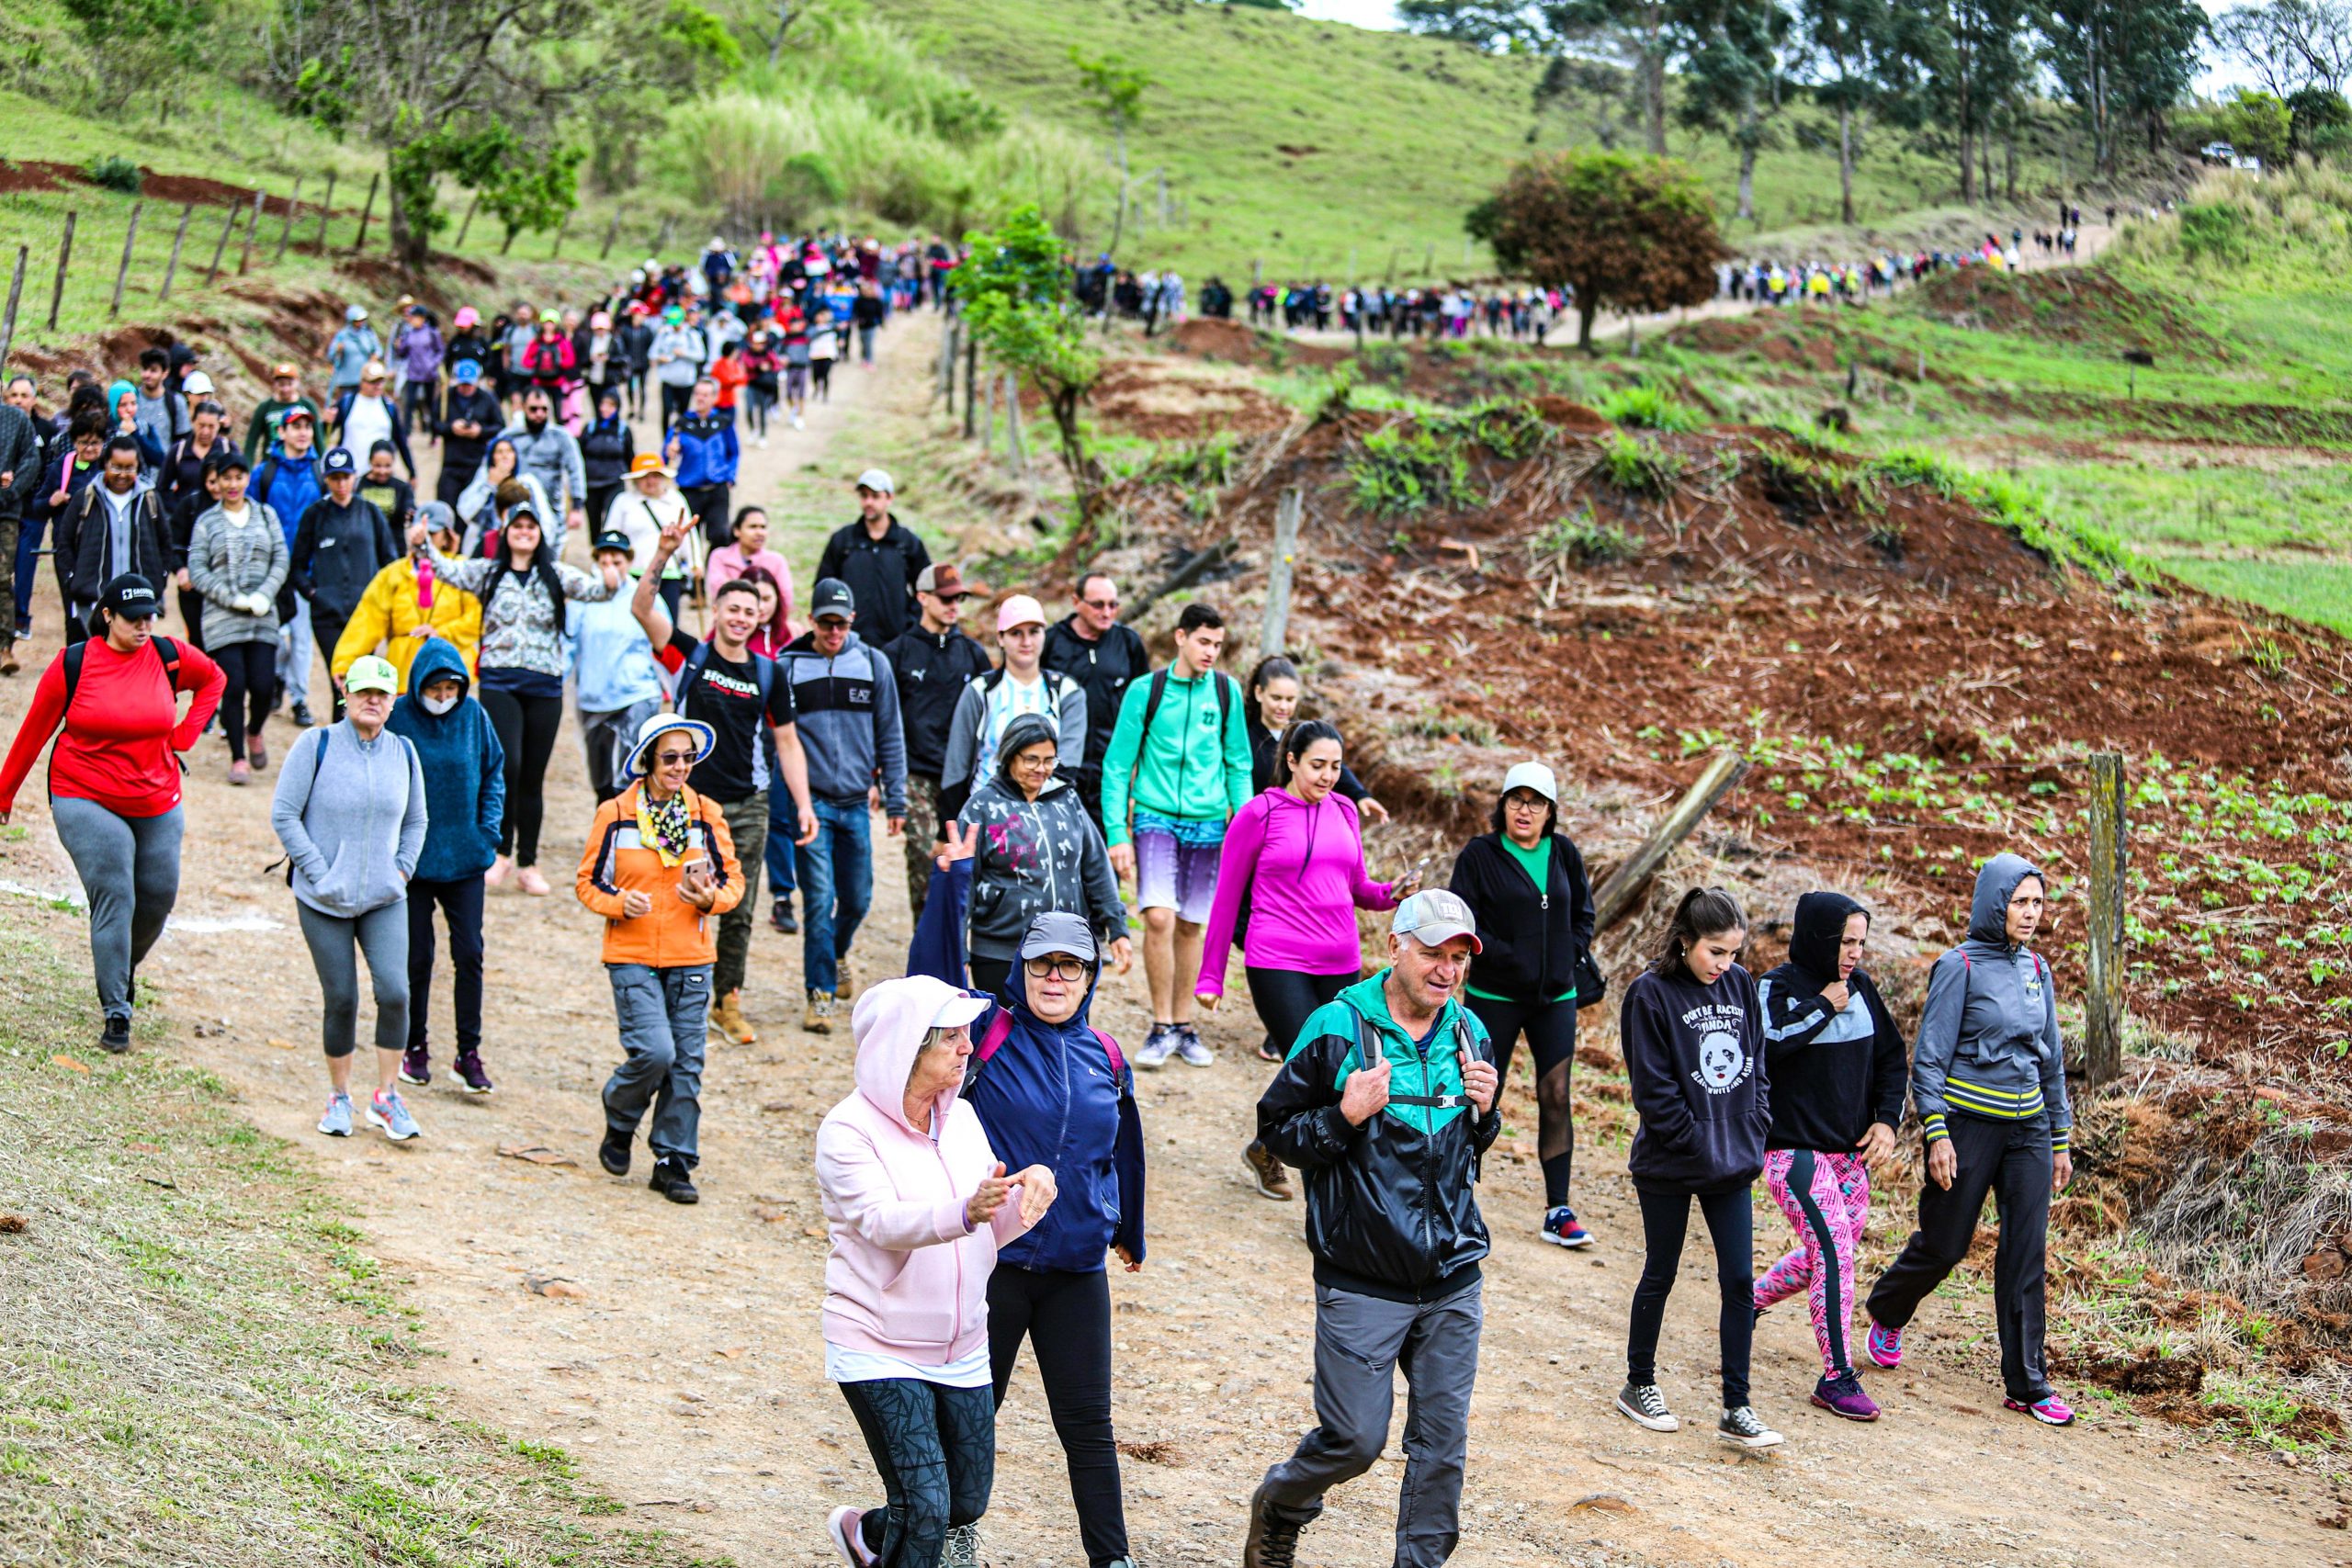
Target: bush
{"points": [[1647, 408], [1406, 467], [1640, 467], [1584, 540], [117, 173]]}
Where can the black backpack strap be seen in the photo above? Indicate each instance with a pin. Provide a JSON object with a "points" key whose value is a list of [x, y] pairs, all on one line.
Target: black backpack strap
{"points": [[74, 654]]}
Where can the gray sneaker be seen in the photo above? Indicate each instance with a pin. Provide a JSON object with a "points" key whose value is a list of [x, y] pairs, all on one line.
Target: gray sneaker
{"points": [[385, 1110], [1157, 1047], [1190, 1048], [962, 1548], [1742, 1429], [336, 1122], [1645, 1406]]}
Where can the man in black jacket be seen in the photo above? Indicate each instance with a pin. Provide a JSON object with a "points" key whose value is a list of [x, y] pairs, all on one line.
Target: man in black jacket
{"points": [[934, 661], [342, 542], [879, 557], [1390, 1151], [470, 417], [20, 465], [1091, 647], [113, 526]]}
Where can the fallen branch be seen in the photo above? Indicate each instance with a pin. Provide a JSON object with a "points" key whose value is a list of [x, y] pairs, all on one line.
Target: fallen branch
{"points": [[1617, 895]]}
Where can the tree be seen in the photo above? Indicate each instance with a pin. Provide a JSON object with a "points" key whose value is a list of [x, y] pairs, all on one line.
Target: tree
{"points": [[1854, 51], [1117, 89], [1635, 233], [2122, 60], [2289, 44], [1733, 75], [2321, 123], [2258, 126], [1971, 59], [1019, 300], [140, 45], [1641, 37]]}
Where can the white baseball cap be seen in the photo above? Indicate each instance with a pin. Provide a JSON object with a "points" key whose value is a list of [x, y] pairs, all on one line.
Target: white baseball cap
{"points": [[958, 1011], [1434, 917], [1533, 776], [877, 481]]}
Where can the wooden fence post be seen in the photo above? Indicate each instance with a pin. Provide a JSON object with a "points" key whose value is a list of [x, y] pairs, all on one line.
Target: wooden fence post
{"points": [[1012, 452], [220, 246], [367, 212], [943, 377], [611, 235], [122, 272], [286, 230], [245, 259], [1276, 624], [16, 292], [971, 379], [556, 244], [64, 255], [326, 211], [1616, 895], [179, 238], [2103, 996], [987, 421]]}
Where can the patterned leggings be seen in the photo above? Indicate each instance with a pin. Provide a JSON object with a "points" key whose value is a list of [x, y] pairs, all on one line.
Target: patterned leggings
{"points": [[935, 1450], [1828, 1198]]}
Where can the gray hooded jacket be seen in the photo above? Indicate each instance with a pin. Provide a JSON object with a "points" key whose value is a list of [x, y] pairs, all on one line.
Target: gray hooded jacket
{"points": [[1988, 1042], [1034, 856]]}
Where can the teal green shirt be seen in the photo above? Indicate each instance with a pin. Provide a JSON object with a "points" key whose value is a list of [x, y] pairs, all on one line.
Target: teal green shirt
{"points": [[1193, 767]]}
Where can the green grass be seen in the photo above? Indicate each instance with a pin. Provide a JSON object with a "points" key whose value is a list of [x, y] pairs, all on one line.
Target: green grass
{"points": [[203, 1363]]}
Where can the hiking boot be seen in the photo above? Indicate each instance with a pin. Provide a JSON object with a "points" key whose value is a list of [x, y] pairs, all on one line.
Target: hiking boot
{"points": [[336, 1122], [1645, 1406], [9, 665], [416, 1067], [1741, 1429], [613, 1152], [302, 719], [1157, 1047], [1560, 1228], [385, 1109], [1190, 1048], [1268, 1171], [844, 987], [1271, 1543], [726, 1019], [1842, 1395], [674, 1182], [256, 753], [2050, 1410], [780, 918], [843, 1530], [114, 1036], [241, 773], [962, 1547], [1884, 1346], [819, 1017], [471, 1075]]}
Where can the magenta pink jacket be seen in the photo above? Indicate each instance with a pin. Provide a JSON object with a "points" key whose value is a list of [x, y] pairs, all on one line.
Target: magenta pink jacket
{"points": [[907, 1277], [1303, 868]]}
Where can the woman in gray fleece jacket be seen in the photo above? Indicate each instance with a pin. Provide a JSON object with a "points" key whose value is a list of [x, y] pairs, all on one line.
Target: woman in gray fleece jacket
{"points": [[237, 562], [350, 810]]}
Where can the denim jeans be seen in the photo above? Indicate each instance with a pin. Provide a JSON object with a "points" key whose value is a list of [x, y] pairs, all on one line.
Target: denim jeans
{"points": [[784, 826], [837, 888]]}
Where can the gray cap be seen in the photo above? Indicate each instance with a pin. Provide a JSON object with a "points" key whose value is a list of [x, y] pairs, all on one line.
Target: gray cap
{"points": [[1058, 930], [1434, 917]]}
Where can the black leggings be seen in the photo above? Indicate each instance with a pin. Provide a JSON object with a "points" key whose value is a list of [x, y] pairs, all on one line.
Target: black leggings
{"points": [[1067, 1319], [935, 1450], [989, 975], [252, 669], [1285, 998], [1550, 1031], [526, 728], [1666, 1216]]}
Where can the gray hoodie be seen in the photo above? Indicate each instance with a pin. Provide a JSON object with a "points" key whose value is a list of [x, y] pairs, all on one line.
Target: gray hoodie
{"points": [[1988, 1042], [351, 814], [1036, 856]]}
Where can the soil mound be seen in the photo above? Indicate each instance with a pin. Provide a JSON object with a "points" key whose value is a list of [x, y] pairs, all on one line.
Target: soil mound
{"points": [[1214, 337], [2085, 305]]}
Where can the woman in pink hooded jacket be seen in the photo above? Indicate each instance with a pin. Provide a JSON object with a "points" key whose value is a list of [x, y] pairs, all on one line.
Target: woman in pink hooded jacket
{"points": [[917, 1204]]}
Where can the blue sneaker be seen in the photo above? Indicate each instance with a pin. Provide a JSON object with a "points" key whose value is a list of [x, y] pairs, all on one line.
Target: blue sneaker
{"points": [[385, 1111], [336, 1122], [1560, 1228]]}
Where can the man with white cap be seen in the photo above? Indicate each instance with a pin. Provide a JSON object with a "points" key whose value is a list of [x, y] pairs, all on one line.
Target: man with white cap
{"points": [[992, 700], [879, 557], [1385, 1105]]}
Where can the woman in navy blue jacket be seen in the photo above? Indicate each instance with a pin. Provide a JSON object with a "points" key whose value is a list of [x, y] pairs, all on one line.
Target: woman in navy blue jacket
{"points": [[1054, 1091]]}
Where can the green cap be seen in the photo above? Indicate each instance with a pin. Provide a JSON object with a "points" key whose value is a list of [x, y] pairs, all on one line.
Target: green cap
{"points": [[370, 673]]}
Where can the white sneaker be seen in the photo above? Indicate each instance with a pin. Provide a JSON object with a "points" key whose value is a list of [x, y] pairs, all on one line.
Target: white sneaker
{"points": [[764, 441], [797, 423], [1157, 1048], [1190, 1048], [842, 1529]]}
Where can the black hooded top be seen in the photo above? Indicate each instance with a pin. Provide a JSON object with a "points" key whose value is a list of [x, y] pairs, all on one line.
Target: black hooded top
{"points": [[1833, 1073]]}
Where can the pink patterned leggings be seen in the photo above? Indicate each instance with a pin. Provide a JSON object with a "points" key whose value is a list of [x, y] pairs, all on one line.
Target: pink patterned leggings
{"points": [[1826, 1198]]}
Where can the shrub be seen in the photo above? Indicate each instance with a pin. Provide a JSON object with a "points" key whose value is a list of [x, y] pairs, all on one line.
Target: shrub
{"points": [[1406, 467], [1585, 541], [117, 173], [1647, 408], [1639, 467]]}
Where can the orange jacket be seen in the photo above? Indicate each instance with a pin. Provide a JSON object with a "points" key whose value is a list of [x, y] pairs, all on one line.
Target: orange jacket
{"points": [[674, 934]]}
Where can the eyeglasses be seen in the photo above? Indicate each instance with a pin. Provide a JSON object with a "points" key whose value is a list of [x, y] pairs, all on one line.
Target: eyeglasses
{"points": [[1056, 965], [1099, 604]]}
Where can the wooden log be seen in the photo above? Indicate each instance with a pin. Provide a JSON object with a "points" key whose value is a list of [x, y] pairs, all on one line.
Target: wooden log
{"points": [[16, 292], [1275, 627], [66, 254], [2103, 1009], [122, 270], [179, 238], [1187, 573], [285, 228], [1617, 895]]}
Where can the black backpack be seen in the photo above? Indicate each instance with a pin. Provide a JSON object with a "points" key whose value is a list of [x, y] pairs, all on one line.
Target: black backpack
{"points": [[166, 648]]}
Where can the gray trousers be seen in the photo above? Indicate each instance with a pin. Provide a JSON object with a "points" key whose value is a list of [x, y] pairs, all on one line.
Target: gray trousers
{"points": [[663, 1013], [131, 876], [336, 945], [1359, 1341]]}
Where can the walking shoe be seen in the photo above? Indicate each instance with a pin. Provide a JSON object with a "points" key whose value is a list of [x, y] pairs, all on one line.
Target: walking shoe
{"points": [[1190, 1048], [416, 1067], [1741, 1429], [817, 1018], [613, 1152], [336, 1122], [385, 1111], [962, 1547], [1156, 1046], [1271, 1543], [842, 1529], [780, 918], [114, 1034], [529, 880], [240, 772], [1268, 1171], [1884, 1346], [674, 1182], [9, 665], [798, 424], [1843, 1395], [302, 719], [256, 753], [1560, 1228], [1645, 1406], [2050, 1410], [500, 870], [727, 1020], [470, 1076], [845, 985]]}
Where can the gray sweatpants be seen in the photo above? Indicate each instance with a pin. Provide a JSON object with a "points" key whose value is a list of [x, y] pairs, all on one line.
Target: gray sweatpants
{"points": [[663, 1013], [131, 876], [1359, 1341], [336, 945]]}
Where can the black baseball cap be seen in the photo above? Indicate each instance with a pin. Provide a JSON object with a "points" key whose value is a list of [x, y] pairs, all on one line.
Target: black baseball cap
{"points": [[229, 457], [339, 461], [131, 596], [613, 539], [831, 597]]}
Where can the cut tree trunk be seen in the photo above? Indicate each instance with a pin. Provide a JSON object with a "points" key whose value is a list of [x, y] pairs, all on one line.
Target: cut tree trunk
{"points": [[1845, 164]]}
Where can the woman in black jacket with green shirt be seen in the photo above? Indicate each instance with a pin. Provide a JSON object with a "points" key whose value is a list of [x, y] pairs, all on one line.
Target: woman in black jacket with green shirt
{"points": [[1526, 883]]}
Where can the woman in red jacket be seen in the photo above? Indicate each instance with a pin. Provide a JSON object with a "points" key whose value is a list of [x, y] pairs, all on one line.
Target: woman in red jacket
{"points": [[114, 779]]}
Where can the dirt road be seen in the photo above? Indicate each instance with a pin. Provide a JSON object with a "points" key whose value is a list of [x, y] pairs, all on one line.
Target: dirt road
{"points": [[688, 1376]]}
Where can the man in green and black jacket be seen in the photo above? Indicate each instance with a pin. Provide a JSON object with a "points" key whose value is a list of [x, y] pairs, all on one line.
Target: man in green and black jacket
{"points": [[1386, 1105]]}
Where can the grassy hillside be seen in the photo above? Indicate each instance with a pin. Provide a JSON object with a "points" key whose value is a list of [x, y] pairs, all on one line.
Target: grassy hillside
{"points": [[1322, 148]]}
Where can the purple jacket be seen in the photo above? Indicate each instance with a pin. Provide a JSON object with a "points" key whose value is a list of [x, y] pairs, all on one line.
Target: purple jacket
{"points": [[1302, 867], [420, 349]]}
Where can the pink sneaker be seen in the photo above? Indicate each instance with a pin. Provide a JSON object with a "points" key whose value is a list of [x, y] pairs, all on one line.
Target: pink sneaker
{"points": [[1884, 1346], [842, 1527], [2050, 1410]]}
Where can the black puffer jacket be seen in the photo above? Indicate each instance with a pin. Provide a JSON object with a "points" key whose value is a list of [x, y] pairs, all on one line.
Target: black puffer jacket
{"points": [[1102, 669], [1532, 936]]}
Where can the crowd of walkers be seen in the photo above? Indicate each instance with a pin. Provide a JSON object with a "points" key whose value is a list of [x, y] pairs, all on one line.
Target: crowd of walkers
{"points": [[1059, 796]]}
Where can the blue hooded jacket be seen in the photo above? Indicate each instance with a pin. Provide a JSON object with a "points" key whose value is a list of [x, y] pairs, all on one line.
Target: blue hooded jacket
{"points": [[1050, 1096], [465, 768]]}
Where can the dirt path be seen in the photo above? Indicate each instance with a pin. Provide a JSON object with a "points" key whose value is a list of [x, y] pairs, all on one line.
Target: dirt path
{"points": [[687, 1376]]}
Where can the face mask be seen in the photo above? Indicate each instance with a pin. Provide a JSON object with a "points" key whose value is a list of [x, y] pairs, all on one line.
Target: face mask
{"points": [[436, 707]]}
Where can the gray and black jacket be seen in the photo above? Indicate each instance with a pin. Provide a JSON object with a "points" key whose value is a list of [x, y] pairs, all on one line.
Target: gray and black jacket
{"points": [[848, 721], [1034, 856], [1988, 1042]]}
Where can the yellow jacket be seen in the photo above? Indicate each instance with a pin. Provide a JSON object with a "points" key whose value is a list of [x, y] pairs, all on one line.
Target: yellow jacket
{"points": [[389, 612]]}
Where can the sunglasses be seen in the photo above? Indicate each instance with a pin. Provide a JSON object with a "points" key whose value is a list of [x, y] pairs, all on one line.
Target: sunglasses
{"points": [[1099, 604], [669, 757], [1058, 967]]}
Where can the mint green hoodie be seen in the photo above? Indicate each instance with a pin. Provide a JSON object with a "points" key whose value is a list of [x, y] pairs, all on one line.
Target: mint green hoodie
{"points": [[1194, 766]]}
